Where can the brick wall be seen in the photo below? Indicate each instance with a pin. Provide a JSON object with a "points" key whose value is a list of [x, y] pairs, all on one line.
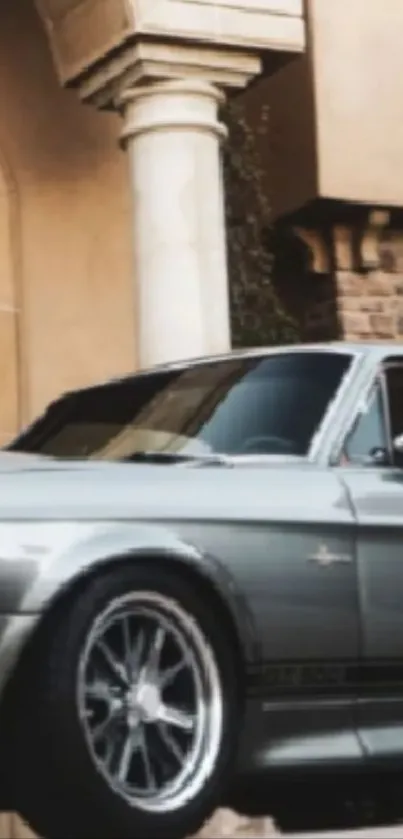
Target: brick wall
{"points": [[370, 306], [354, 307]]}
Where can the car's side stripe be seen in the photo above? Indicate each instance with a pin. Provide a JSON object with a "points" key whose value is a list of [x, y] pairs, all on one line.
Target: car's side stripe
{"points": [[317, 678]]}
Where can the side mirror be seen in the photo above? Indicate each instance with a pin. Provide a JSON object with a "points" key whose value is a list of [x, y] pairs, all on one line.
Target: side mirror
{"points": [[398, 444]]}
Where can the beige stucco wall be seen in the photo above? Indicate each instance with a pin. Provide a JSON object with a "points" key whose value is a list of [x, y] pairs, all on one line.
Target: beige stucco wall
{"points": [[357, 56], [66, 292], [337, 112]]}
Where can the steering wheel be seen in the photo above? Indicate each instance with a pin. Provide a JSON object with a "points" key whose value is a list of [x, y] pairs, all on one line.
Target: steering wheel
{"points": [[265, 444]]}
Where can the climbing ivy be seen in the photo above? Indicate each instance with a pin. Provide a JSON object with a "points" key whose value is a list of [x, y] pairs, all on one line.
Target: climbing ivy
{"points": [[258, 316]]}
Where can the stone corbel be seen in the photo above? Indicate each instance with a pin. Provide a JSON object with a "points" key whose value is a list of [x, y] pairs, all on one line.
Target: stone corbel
{"points": [[319, 246], [346, 247], [368, 239]]}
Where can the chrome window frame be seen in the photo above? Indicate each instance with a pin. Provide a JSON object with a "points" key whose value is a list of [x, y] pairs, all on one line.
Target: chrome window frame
{"points": [[325, 438], [378, 379]]}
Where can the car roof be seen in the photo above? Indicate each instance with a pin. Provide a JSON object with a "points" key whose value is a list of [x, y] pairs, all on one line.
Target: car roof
{"points": [[378, 350]]}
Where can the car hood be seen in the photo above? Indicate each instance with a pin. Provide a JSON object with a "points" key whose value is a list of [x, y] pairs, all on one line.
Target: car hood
{"points": [[17, 461], [40, 488]]}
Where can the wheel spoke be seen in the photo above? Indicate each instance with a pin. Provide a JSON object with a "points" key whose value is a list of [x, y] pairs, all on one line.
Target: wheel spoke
{"points": [[150, 669], [136, 656], [104, 728], [131, 744], [148, 770], [170, 742], [110, 749], [99, 690], [127, 644], [169, 675], [115, 666], [176, 718]]}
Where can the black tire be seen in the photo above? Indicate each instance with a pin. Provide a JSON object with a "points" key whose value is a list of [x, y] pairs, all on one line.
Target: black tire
{"points": [[59, 791]]}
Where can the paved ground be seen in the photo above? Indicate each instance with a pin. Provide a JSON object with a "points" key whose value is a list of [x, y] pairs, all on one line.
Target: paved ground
{"points": [[227, 825], [378, 833]]}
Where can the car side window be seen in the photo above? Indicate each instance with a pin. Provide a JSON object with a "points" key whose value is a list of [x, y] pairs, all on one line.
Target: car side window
{"points": [[393, 376], [394, 387], [368, 436]]}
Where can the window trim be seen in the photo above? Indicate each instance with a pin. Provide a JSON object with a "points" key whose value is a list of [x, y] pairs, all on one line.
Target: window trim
{"points": [[323, 441], [386, 411], [377, 380]]}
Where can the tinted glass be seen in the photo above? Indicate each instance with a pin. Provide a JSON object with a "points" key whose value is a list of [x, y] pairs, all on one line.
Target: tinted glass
{"points": [[394, 384], [263, 405]]}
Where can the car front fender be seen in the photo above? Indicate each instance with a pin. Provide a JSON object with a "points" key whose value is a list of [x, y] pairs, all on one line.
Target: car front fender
{"points": [[92, 547]]}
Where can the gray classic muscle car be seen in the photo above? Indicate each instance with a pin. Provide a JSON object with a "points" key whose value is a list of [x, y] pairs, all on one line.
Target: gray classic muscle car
{"points": [[201, 579]]}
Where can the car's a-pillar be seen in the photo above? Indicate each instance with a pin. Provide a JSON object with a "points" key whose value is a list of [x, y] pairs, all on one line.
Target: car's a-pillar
{"points": [[164, 64]]}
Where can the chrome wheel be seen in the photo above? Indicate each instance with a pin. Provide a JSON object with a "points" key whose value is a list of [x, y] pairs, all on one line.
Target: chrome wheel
{"points": [[150, 701]]}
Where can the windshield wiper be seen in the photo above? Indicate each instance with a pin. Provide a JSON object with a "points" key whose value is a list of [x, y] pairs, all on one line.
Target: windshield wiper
{"points": [[177, 457]]}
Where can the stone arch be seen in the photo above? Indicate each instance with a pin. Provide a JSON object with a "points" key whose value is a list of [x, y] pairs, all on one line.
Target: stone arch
{"points": [[10, 303]]}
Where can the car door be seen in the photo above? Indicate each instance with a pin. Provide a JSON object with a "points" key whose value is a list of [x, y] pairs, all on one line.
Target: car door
{"points": [[295, 561], [290, 552], [373, 474]]}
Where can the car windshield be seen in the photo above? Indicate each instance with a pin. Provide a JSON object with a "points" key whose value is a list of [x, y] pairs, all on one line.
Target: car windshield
{"points": [[269, 404]]}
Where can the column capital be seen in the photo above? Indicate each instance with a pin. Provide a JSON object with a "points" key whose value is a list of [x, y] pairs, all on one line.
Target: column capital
{"points": [[186, 104], [138, 65], [105, 46]]}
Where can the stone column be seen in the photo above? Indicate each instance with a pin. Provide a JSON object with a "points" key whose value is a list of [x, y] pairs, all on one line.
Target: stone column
{"points": [[173, 136], [163, 63]]}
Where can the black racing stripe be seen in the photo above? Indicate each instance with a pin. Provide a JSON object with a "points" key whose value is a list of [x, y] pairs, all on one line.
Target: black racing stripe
{"points": [[317, 678]]}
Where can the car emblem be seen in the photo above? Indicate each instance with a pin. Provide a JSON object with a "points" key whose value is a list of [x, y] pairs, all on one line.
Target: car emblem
{"points": [[325, 557]]}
